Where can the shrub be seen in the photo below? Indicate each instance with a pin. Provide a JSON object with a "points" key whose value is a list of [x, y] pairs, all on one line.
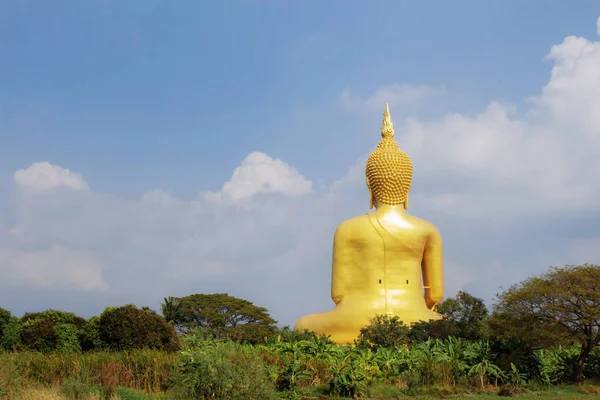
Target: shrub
{"points": [[56, 316], [38, 334], [384, 331], [51, 330], [68, 337], [127, 327], [11, 334], [89, 335], [225, 370], [4, 318]]}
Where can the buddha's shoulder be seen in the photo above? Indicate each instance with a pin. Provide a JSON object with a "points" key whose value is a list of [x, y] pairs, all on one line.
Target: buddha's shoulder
{"points": [[352, 224], [425, 225]]}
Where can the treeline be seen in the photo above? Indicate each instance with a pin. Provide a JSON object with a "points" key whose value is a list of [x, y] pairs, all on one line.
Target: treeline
{"points": [[129, 327]]}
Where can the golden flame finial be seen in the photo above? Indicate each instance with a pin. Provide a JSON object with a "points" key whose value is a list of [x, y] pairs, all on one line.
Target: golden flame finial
{"points": [[387, 128]]}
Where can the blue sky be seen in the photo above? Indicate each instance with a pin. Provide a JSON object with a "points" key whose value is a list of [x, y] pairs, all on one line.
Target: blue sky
{"points": [[163, 100]]}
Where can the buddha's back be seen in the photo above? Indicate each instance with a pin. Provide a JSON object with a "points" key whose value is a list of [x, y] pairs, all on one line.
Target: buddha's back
{"points": [[377, 262]]}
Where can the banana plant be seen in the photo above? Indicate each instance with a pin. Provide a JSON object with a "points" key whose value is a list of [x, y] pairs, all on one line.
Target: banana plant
{"points": [[453, 351], [482, 366]]}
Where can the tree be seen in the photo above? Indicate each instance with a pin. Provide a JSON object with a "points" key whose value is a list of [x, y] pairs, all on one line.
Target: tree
{"points": [[38, 334], [559, 307], [439, 329], [171, 309], [11, 334], [224, 316], [4, 318], [469, 313], [128, 327], [384, 331]]}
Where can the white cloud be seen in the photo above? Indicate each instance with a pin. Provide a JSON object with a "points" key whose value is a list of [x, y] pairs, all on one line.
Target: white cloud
{"points": [[42, 176], [261, 174], [396, 95], [573, 94], [57, 267]]}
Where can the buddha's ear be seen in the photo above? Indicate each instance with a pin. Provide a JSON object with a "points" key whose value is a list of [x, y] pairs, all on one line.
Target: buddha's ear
{"points": [[370, 195]]}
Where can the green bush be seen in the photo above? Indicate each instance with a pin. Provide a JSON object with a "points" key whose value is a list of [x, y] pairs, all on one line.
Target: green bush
{"points": [[68, 337], [56, 316], [128, 327], [51, 330], [89, 335], [225, 370], [11, 334], [4, 318], [38, 334], [384, 331]]}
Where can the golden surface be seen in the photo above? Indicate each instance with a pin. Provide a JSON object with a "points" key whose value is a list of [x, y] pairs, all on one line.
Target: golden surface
{"points": [[384, 262]]}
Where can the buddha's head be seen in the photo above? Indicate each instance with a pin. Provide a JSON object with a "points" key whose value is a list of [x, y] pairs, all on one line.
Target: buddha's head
{"points": [[389, 170]]}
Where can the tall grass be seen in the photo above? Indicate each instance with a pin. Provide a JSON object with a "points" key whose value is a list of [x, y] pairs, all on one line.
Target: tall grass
{"points": [[150, 371], [214, 369]]}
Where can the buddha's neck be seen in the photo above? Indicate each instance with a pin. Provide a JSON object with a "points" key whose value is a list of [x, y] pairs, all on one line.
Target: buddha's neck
{"points": [[385, 208]]}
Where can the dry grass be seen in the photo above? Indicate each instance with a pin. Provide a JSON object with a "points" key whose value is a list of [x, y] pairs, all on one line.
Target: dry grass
{"points": [[144, 370], [48, 394]]}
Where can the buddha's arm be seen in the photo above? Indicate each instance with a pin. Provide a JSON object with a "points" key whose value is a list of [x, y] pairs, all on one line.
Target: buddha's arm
{"points": [[341, 258], [432, 269]]}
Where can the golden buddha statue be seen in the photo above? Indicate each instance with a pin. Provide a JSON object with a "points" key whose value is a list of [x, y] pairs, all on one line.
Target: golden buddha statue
{"points": [[384, 262]]}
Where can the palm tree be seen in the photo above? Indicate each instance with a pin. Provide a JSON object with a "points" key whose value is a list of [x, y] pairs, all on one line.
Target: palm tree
{"points": [[171, 309]]}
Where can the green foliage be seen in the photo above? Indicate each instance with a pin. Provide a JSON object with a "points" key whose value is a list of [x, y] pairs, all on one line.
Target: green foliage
{"points": [[350, 377], [4, 318], [516, 378], [292, 374], [75, 389], [559, 307], [233, 349], [56, 316], [384, 331], [286, 334], [482, 365], [469, 315], [171, 309], [225, 317], [226, 370], [141, 370], [556, 365], [210, 368], [591, 368], [89, 335], [67, 337], [128, 394], [11, 334], [519, 353], [38, 334], [437, 329], [127, 327], [51, 330]]}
